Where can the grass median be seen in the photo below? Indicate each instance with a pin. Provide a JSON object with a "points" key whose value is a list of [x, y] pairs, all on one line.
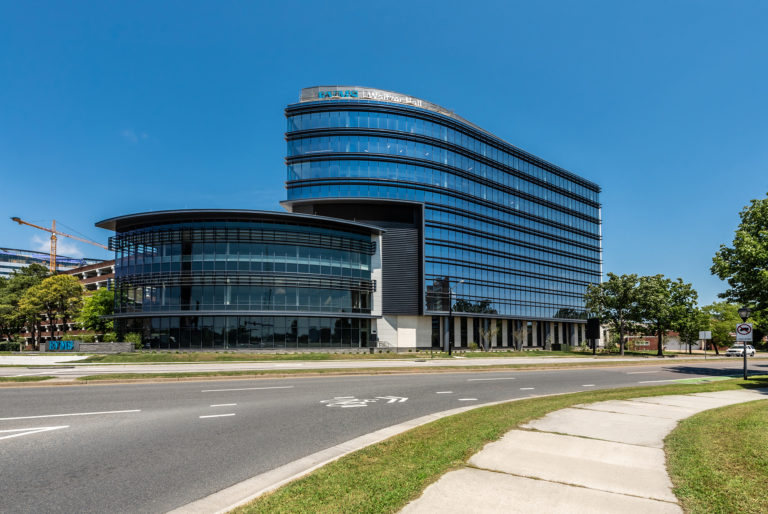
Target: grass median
{"points": [[233, 356], [718, 459], [384, 477], [24, 379], [368, 371]]}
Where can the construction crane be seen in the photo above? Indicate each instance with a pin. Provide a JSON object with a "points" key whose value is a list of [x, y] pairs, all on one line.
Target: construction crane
{"points": [[54, 233]]}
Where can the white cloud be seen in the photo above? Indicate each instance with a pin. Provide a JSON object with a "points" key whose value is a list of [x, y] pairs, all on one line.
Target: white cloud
{"points": [[132, 137], [63, 247]]}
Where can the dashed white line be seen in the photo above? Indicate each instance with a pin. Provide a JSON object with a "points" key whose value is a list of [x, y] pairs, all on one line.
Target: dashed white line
{"points": [[444, 392], [246, 389], [467, 399], [223, 405], [487, 379], [72, 414], [217, 415], [526, 388], [587, 385]]}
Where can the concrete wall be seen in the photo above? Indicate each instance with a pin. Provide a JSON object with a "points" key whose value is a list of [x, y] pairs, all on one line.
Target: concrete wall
{"points": [[404, 331], [79, 346]]}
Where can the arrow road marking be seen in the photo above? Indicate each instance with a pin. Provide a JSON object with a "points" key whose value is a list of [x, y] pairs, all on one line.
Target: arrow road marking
{"points": [[350, 401], [27, 431], [392, 399]]}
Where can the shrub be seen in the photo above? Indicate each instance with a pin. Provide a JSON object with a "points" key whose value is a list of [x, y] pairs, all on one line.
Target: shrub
{"points": [[472, 346], [9, 346], [109, 337], [135, 338]]}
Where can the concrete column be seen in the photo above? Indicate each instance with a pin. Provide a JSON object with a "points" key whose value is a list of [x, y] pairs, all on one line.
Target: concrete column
{"points": [[505, 332], [457, 331], [582, 331], [560, 334], [548, 334], [523, 333], [535, 330]]}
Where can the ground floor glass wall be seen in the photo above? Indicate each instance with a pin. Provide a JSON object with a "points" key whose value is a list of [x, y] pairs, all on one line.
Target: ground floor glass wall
{"points": [[244, 332]]}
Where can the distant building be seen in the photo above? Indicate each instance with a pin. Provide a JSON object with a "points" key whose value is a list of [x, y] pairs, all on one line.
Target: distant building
{"points": [[13, 259], [94, 276]]}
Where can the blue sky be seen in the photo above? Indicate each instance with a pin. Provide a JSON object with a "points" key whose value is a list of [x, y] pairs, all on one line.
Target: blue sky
{"points": [[109, 108]]}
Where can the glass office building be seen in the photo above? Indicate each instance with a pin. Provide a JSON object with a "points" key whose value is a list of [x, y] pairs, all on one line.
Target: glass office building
{"points": [[243, 279], [474, 225]]}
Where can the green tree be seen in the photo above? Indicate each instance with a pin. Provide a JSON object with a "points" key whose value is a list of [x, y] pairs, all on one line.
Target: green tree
{"points": [[662, 303], [59, 296], [690, 323], [615, 302], [100, 303], [12, 320], [745, 264], [723, 318]]}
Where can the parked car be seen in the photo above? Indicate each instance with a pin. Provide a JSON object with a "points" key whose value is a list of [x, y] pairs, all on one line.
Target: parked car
{"points": [[738, 351]]}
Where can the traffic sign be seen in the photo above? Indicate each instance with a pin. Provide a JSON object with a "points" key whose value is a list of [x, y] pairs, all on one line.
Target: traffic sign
{"points": [[707, 335], [744, 332]]}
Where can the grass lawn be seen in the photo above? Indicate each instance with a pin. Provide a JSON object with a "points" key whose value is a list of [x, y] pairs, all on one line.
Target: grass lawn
{"points": [[36, 378], [384, 477], [718, 459]]}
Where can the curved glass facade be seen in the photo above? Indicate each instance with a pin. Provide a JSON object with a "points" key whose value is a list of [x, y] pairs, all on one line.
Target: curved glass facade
{"points": [[511, 235], [191, 279]]}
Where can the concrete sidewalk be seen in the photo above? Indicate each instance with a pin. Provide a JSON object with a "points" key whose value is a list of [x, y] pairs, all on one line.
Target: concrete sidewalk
{"points": [[600, 457]]}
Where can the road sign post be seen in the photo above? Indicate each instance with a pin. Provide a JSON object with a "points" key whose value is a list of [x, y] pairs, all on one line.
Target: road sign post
{"points": [[705, 335], [744, 335]]}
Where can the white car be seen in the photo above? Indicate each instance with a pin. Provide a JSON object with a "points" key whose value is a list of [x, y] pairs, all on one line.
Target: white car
{"points": [[738, 351]]}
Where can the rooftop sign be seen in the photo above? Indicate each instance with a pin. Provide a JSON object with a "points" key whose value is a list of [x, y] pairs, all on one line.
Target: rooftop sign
{"points": [[313, 94]]}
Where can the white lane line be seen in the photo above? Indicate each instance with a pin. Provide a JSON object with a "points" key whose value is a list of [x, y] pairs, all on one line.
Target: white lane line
{"points": [[640, 372], [246, 389], [28, 431], [526, 388], [223, 405], [217, 416], [72, 414], [587, 385], [487, 379], [467, 399], [444, 392]]}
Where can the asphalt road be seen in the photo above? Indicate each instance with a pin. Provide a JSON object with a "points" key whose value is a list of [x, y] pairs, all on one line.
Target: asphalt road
{"points": [[155, 447]]}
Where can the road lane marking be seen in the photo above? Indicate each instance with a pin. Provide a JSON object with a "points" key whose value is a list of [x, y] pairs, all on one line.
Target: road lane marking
{"points": [[487, 379], [640, 372], [444, 392], [587, 385], [467, 399], [246, 389], [72, 414], [28, 431], [526, 388], [217, 415], [223, 405]]}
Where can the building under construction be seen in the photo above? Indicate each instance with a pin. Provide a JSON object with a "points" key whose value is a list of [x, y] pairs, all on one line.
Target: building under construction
{"points": [[13, 259]]}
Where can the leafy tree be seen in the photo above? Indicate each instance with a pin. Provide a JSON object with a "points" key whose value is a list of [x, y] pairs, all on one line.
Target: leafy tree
{"points": [[745, 265], [691, 322], [723, 318], [662, 303], [481, 307], [12, 319], [58, 296], [100, 303], [615, 302]]}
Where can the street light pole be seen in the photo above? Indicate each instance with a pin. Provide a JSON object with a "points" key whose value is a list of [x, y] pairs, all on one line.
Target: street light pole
{"points": [[744, 313]]}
